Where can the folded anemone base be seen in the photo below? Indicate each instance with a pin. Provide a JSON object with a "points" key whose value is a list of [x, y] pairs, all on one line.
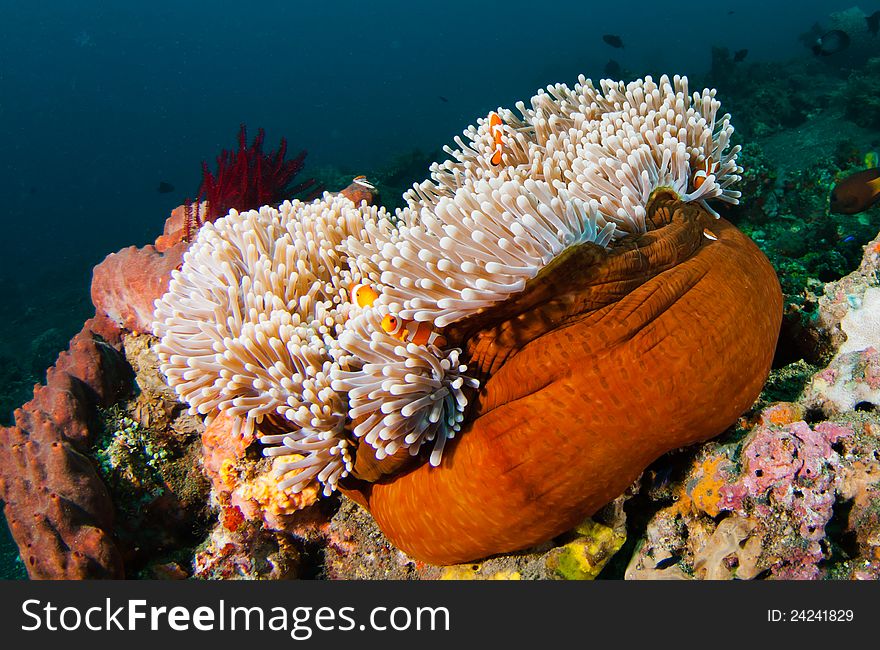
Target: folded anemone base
{"points": [[607, 360]]}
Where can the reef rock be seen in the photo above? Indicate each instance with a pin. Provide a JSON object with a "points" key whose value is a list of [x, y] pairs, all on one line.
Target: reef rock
{"points": [[848, 308], [761, 506]]}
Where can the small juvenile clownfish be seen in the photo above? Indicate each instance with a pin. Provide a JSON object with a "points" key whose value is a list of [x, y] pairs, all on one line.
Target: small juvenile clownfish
{"points": [[411, 332], [708, 234], [497, 134], [363, 182], [702, 174], [363, 295]]}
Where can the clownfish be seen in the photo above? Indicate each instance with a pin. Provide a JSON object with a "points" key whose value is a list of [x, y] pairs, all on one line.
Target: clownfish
{"points": [[708, 234], [701, 175], [363, 182], [362, 295], [412, 332], [497, 134]]}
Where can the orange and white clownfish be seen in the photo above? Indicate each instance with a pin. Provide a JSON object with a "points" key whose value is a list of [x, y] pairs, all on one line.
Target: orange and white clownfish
{"points": [[412, 332], [497, 134], [362, 295], [703, 173]]}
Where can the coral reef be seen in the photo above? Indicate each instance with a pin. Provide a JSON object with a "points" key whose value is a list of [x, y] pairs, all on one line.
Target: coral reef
{"points": [[145, 452], [249, 553], [848, 305], [767, 504], [148, 454], [789, 175], [822, 128], [790, 491], [787, 215], [58, 510], [851, 382]]}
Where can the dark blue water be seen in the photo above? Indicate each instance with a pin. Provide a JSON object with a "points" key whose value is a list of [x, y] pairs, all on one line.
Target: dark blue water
{"points": [[101, 101]]}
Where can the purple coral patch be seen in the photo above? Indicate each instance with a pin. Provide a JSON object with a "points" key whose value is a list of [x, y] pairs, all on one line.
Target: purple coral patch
{"points": [[793, 468]]}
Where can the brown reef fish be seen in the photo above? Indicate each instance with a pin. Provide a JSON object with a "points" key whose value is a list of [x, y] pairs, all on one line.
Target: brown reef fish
{"points": [[857, 192]]}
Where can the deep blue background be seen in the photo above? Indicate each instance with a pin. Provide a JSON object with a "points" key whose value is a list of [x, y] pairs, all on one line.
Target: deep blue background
{"points": [[99, 101]]}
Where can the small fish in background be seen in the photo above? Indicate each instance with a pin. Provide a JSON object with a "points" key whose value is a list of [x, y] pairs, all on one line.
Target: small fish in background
{"points": [[442, 99], [848, 239], [857, 192], [613, 40], [164, 188], [665, 563], [740, 55], [873, 22], [613, 69], [831, 42]]}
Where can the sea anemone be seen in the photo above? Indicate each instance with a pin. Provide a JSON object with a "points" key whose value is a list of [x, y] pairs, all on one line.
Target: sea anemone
{"points": [[595, 313], [401, 395], [248, 325], [580, 167]]}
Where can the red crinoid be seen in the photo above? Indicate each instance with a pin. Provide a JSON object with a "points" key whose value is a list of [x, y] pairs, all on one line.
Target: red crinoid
{"points": [[246, 179]]}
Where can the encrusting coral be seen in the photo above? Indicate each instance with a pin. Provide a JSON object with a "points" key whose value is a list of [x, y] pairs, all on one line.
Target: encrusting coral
{"points": [[556, 307]]}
